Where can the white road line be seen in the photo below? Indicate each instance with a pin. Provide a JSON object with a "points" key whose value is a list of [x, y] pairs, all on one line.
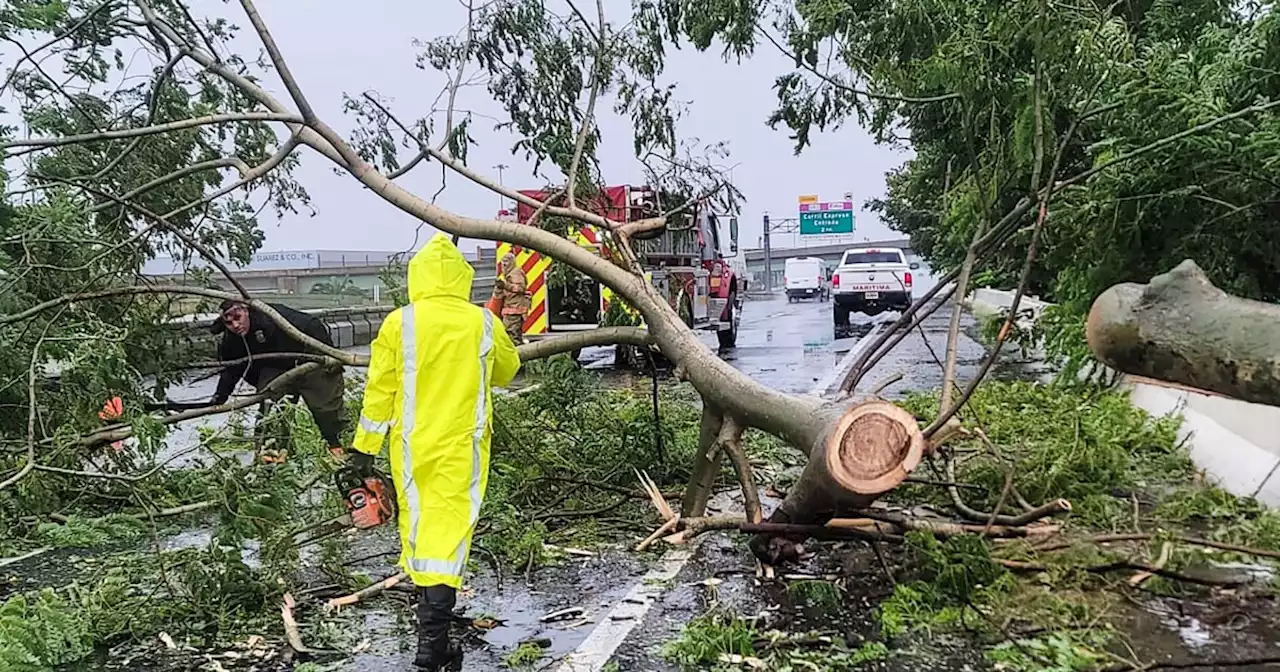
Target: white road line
{"points": [[596, 650], [821, 388]]}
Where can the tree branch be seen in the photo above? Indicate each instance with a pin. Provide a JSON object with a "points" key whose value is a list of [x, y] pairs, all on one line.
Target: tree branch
{"points": [[768, 409], [89, 16], [547, 347], [253, 90], [194, 122], [1165, 141], [194, 244], [282, 68], [252, 175], [278, 384], [140, 290], [856, 91], [226, 162], [31, 421], [588, 120]]}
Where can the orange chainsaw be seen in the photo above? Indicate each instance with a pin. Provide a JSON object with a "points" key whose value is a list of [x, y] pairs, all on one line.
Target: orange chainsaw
{"points": [[370, 500]]}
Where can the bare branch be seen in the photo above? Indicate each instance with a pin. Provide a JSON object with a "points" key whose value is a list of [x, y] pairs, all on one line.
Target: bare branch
{"points": [[43, 143], [413, 163], [584, 339], [588, 120], [282, 68], [456, 82]]}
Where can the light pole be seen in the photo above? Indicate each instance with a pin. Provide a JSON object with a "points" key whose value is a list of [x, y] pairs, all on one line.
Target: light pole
{"points": [[502, 203], [788, 225]]}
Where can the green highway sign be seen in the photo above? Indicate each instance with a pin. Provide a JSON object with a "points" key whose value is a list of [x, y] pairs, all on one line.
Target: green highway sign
{"points": [[815, 222]]}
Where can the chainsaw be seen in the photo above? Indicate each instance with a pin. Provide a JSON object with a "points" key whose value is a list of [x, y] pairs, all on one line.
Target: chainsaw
{"points": [[370, 500]]}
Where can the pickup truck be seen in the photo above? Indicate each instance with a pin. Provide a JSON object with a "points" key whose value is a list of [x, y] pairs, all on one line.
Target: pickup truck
{"points": [[870, 281]]}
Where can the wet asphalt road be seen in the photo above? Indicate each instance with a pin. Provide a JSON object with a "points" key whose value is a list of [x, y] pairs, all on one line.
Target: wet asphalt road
{"points": [[793, 347]]}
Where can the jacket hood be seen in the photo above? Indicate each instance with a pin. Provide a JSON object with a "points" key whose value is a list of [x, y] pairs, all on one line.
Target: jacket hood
{"points": [[439, 269]]}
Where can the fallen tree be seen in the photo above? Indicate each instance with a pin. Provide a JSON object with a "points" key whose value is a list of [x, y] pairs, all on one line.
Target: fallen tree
{"points": [[1182, 329], [857, 450]]}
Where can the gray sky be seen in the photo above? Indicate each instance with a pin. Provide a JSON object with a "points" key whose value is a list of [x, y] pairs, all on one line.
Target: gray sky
{"points": [[370, 48], [334, 51]]}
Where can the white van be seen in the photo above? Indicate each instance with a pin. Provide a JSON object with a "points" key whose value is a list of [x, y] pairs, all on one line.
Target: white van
{"points": [[805, 278]]}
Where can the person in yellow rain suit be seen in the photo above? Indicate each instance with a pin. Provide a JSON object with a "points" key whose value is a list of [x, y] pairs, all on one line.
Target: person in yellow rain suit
{"points": [[431, 371]]}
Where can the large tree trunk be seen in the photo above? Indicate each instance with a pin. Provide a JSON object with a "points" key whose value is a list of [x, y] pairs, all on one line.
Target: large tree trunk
{"points": [[1182, 329], [867, 450]]}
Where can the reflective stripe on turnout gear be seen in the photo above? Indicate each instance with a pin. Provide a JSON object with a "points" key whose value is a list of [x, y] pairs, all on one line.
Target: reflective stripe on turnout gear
{"points": [[374, 427]]}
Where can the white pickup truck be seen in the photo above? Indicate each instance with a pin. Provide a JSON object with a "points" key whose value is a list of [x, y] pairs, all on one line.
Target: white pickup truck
{"points": [[870, 281]]}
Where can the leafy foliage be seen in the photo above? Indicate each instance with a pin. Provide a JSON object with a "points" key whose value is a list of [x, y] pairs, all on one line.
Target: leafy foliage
{"points": [[1092, 448], [63, 230], [568, 446], [985, 93]]}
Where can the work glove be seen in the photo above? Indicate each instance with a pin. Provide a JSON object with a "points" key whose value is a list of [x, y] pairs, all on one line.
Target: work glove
{"points": [[362, 464]]}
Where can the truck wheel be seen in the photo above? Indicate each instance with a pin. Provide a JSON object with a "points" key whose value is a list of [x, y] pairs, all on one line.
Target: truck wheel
{"points": [[840, 315], [729, 337]]}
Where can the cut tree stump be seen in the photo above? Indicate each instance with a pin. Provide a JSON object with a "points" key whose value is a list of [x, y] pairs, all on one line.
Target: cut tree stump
{"points": [[870, 450], [1182, 329]]}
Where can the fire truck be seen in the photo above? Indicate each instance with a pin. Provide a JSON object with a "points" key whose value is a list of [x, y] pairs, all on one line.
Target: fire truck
{"points": [[684, 261]]}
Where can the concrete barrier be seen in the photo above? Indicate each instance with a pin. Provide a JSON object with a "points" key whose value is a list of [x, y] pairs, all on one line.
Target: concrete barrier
{"points": [[1234, 442]]}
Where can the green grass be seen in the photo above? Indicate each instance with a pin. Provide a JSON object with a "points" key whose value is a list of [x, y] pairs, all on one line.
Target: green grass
{"points": [[823, 595], [523, 657], [707, 637]]}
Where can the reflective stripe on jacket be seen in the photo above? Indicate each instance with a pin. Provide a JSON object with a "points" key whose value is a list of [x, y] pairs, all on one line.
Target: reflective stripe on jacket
{"points": [[431, 371]]}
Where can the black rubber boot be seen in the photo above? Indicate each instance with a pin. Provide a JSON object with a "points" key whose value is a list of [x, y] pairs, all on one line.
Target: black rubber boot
{"points": [[435, 614]]}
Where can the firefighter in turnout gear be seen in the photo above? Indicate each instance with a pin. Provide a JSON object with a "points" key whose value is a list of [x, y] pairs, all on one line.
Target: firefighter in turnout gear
{"points": [[431, 371], [514, 289]]}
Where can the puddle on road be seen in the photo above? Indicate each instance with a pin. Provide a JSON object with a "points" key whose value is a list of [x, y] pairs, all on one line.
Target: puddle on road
{"points": [[594, 585]]}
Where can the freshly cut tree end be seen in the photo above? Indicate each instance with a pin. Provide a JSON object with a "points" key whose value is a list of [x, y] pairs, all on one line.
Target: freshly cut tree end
{"points": [[873, 447]]}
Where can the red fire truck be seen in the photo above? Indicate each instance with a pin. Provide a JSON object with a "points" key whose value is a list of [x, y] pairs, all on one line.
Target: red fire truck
{"points": [[685, 261]]}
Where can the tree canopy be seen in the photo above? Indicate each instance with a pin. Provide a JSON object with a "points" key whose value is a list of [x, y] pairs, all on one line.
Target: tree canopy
{"points": [[988, 93]]}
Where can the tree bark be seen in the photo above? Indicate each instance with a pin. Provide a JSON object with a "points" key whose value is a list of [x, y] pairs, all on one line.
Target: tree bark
{"points": [[1182, 329]]}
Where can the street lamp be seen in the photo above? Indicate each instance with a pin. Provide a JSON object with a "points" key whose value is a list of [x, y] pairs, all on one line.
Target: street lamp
{"points": [[502, 203]]}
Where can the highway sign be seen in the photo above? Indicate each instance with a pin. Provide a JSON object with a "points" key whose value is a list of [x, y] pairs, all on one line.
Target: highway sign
{"points": [[826, 218]]}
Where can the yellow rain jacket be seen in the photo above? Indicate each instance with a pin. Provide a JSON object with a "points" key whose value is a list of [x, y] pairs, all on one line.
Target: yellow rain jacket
{"points": [[432, 367]]}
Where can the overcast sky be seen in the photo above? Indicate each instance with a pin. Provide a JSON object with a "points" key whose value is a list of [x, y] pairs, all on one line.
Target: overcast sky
{"points": [[352, 50], [335, 48]]}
